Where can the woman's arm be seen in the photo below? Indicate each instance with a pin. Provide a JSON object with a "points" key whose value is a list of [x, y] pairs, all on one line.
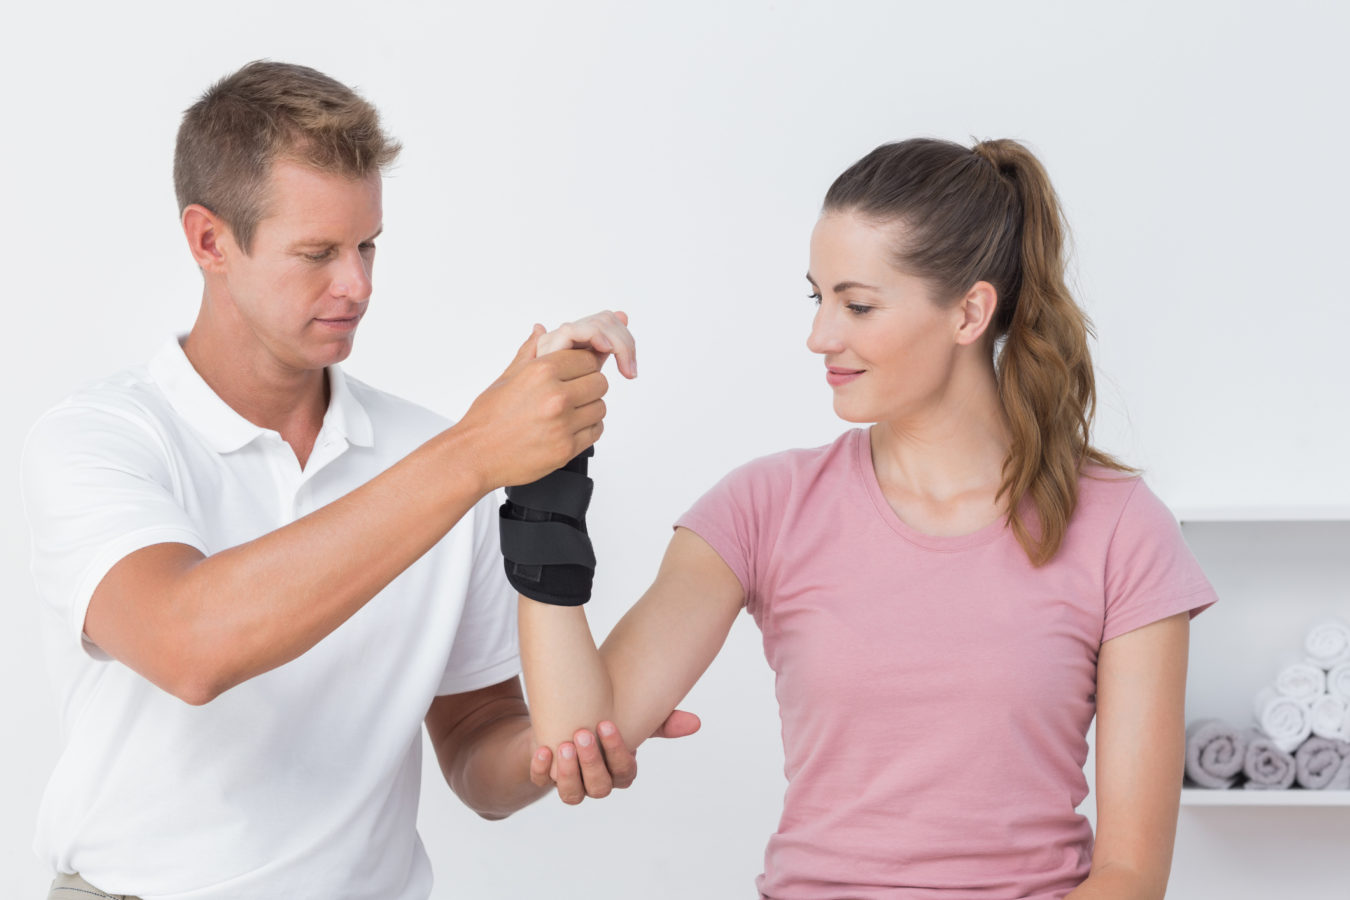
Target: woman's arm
{"points": [[1141, 737], [648, 663]]}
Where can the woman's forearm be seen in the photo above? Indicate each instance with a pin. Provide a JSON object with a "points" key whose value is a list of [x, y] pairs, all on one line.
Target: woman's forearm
{"points": [[1116, 882], [566, 681]]}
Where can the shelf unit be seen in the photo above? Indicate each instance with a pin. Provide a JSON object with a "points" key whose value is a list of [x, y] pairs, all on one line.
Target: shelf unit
{"points": [[1277, 570]]}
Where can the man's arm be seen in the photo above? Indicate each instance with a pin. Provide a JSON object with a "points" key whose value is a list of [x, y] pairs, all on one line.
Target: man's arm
{"points": [[197, 625], [483, 744]]}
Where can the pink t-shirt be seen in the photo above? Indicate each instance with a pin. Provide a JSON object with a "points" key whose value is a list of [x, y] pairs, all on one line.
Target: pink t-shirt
{"points": [[935, 692]]}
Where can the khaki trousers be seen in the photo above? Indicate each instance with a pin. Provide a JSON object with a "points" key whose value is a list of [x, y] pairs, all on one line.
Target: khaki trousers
{"points": [[73, 887]]}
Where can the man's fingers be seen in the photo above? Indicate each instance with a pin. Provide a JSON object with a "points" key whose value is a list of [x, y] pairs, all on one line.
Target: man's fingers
{"points": [[586, 389], [678, 724], [568, 776], [540, 764], [527, 350], [594, 775], [587, 437], [621, 763], [571, 364]]}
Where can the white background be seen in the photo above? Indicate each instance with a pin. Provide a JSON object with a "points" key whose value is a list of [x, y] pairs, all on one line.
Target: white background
{"points": [[669, 160]]}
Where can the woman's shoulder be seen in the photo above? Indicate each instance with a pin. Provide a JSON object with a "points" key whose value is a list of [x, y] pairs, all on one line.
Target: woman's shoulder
{"points": [[796, 463], [1115, 497]]}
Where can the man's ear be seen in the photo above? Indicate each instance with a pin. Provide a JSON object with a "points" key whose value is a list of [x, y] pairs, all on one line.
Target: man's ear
{"points": [[208, 237], [977, 311]]}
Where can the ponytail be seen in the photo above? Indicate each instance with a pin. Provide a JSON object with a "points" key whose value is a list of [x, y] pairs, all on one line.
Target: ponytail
{"points": [[991, 214]]}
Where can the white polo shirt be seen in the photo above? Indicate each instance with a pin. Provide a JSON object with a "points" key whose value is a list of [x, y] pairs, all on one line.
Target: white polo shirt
{"points": [[303, 781]]}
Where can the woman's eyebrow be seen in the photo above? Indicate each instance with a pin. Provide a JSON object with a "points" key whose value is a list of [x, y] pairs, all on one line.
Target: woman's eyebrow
{"points": [[844, 285]]}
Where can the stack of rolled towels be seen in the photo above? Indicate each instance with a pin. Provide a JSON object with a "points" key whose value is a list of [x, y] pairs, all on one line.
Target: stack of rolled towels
{"points": [[1302, 732]]}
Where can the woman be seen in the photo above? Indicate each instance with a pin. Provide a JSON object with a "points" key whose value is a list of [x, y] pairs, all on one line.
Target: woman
{"points": [[947, 597]]}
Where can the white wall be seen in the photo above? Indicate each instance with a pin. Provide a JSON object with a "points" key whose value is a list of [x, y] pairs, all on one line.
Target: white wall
{"points": [[669, 159]]}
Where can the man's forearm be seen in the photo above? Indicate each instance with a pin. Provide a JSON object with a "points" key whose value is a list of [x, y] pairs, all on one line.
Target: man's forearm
{"points": [[211, 623], [489, 767]]}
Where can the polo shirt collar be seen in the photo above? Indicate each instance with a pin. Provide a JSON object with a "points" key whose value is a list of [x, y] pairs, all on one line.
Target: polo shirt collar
{"points": [[224, 429]]}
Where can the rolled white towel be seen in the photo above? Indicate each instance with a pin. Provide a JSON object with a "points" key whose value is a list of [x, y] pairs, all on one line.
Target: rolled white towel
{"points": [[1323, 765], [1215, 752], [1329, 717], [1338, 681], [1286, 721], [1301, 680], [1328, 643], [1267, 767]]}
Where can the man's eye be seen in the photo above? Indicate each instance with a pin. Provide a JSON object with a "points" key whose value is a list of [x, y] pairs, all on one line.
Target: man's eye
{"points": [[318, 257], [368, 247]]}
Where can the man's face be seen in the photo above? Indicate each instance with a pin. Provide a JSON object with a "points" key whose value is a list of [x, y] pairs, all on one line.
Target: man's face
{"points": [[302, 290]]}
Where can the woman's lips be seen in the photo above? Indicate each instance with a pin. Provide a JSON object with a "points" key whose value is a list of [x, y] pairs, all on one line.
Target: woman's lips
{"points": [[838, 377]]}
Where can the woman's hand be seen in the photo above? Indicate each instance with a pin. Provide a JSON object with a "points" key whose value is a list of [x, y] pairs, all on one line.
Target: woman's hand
{"points": [[603, 333]]}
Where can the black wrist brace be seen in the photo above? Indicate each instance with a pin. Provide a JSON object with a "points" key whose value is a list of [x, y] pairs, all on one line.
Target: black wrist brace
{"points": [[546, 548]]}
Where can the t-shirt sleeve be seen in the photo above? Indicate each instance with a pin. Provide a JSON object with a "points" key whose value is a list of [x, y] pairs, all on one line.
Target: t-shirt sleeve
{"points": [[735, 518], [97, 485], [486, 650], [1150, 572]]}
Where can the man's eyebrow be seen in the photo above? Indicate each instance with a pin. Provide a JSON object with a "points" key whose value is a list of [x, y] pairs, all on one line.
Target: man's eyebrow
{"points": [[326, 242], [844, 285]]}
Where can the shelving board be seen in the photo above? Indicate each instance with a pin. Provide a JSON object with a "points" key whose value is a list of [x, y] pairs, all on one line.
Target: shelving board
{"points": [[1239, 797], [1218, 514]]}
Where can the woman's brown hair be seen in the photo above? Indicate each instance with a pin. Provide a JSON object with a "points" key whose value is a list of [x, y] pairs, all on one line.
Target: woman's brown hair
{"points": [[990, 214]]}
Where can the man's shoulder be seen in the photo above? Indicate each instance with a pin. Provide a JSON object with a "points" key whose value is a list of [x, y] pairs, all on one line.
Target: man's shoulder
{"points": [[130, 393]]}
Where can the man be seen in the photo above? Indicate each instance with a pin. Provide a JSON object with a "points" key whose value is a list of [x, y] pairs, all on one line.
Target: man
{"points": [[263, 575]]}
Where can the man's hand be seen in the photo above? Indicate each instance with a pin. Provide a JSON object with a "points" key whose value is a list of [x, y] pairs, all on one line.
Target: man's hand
{"points": [[539, 414], [603, 333], [587, 768]]}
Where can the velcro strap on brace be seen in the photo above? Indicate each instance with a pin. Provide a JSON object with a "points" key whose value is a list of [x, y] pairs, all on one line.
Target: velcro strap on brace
{"points": [[546, 544], [562, 492]]}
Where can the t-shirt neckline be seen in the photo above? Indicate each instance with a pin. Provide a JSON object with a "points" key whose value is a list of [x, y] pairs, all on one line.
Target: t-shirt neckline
{"points": [[862, 456]]}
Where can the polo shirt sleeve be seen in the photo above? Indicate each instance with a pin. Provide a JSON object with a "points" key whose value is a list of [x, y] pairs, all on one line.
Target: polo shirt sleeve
{"points": [[1150, 572], [486, 649], [97, 485]]}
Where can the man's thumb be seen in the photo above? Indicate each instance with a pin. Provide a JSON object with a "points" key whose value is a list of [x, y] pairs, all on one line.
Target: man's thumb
{"points": [[527, 349]]}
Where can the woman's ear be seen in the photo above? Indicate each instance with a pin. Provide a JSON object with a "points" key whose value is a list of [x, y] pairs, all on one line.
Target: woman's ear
{"points": [[977, 311]]}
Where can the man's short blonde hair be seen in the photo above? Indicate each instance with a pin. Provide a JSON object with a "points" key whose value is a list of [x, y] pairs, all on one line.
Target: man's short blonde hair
{"points": [[267, 111]]}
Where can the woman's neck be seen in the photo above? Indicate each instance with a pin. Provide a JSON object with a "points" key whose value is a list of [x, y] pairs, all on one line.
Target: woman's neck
{"points": [[941, 468]]}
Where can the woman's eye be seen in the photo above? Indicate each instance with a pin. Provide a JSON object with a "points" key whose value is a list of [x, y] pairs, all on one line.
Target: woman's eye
{"points": [[858, 309], [814, 298]]}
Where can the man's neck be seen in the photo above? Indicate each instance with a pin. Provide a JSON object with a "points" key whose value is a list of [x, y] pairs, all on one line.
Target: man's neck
{"points": [[259, 387]]}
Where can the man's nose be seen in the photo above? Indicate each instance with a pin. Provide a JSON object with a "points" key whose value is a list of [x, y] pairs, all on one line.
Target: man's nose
{"points": [[352, 280]]}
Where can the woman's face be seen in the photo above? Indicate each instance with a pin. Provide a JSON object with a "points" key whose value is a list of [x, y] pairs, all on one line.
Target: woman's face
{"points": [[889, 349]]}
